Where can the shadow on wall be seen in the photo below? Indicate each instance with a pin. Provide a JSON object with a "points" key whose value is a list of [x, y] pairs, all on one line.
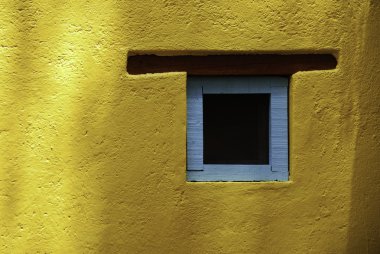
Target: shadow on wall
{"points": [[18, 101], [364, 224]]}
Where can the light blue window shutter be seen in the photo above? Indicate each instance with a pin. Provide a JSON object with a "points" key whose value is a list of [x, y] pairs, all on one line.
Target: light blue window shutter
{"points": [[194, 126], [279, 130]]}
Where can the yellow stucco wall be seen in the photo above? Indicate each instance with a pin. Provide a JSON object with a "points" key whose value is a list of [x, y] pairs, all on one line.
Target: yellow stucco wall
{"points": [[92, 160]]}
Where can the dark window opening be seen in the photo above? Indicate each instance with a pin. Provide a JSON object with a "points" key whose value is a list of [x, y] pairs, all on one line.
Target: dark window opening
{"points": [[236, 128]]}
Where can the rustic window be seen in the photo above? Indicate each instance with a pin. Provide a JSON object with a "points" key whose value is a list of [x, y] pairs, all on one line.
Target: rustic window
{"points": [[237, 128]]}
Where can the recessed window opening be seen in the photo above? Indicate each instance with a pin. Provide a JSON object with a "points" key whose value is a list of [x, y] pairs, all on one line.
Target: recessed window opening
{"points": [[237, 109], [236, 129]]}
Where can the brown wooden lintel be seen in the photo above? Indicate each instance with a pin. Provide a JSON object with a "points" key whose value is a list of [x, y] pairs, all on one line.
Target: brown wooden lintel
{"points": [[260, 64]]}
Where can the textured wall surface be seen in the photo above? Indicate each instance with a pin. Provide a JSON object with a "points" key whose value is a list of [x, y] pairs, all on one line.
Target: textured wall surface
{"points": [[92, 160]]}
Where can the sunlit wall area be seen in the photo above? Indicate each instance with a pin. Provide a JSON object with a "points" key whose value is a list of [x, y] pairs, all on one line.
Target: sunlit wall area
{"points": [[93, 160]]}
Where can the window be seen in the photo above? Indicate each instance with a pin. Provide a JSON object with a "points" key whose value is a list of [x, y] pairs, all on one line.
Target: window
{"points": [[237, 128]]}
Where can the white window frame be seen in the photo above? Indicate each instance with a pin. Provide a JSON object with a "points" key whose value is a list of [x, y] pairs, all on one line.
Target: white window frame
{"points": [[277, 88]]}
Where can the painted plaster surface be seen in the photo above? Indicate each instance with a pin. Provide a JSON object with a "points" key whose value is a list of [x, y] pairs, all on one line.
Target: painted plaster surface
{"points": [[92, 160]]}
